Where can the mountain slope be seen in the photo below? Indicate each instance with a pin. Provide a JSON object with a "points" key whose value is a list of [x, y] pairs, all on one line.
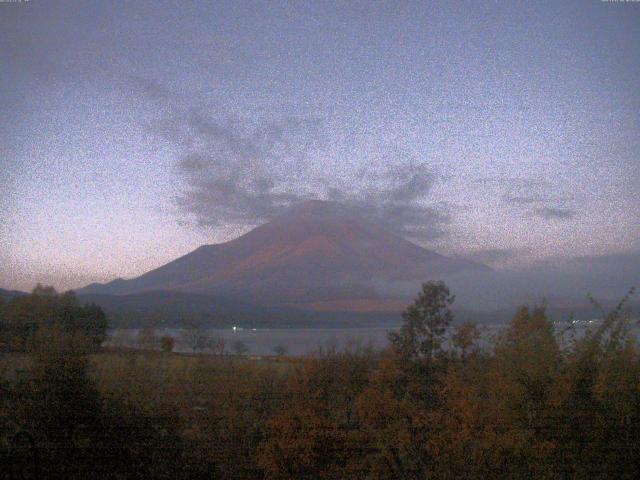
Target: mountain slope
{"points": [[317, 252], [8, 295]]}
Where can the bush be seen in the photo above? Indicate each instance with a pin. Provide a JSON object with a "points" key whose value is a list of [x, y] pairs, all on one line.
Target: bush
{"points": [[167, 344]]}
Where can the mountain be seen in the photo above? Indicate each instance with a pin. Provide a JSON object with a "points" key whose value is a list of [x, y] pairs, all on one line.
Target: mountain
{"points": [[319, 255], [7, 295]]}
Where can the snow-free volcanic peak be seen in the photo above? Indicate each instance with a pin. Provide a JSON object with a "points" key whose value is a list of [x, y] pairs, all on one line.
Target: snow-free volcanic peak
{"points": [[316, 254]]}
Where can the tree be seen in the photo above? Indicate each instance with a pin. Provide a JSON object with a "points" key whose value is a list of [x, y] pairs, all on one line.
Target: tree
{"points": [[198, 339], [529, 352], [77, 432], [61, 405], [521, 394], [239, 347], [44, 291], [465, 338], [44, 307], [2, 324], [600, 403], [147, 338], [279, 350], [313, 434], [425, 324], [217, 344], [167, 343], [88, 319]]}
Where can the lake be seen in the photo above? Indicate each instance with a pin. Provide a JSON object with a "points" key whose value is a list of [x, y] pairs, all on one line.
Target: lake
{"points": [[296, 341]]}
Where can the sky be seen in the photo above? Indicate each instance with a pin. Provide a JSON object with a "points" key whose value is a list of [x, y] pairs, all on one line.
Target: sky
{"points": [[133, 132]]}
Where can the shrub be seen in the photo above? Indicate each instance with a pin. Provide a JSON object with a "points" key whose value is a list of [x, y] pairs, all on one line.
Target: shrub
{"points": [[167, 343]]}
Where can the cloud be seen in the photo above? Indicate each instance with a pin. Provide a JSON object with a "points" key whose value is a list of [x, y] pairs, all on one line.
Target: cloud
{"points": [[395, 198], [150, 88], [551, 213], [238, 172], [495, 255], [536, 195], [521, 199], [246, 171]]}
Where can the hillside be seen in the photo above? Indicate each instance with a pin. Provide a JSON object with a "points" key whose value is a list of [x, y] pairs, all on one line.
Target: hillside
{"points": [[7, 295]]}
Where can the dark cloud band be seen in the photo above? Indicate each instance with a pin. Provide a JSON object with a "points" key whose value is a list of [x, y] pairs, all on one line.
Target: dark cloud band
{"points": [[247, 171]]}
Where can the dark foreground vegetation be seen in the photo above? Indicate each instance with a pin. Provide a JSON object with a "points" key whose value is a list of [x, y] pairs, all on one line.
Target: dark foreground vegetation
{"points": [[524, 408]]}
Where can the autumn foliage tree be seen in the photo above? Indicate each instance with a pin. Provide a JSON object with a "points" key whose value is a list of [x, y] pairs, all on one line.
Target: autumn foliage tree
{"points": [[167, 343], [425, 323], [535, 401], [45, 308], [315, 434]]}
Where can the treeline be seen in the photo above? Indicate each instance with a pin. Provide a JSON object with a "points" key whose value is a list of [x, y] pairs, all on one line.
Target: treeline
{"points": [[28, 322], [535, 404]]}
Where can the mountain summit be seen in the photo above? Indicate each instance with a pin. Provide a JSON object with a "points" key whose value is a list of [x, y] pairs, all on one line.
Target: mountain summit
{"points": [[317, 254]]}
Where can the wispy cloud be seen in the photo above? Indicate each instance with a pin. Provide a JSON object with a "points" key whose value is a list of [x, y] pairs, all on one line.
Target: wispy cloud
{"points": [[246, 171], [521, 199], [150, 88], [397, 199], [535, 196], [238, 171], [552, 213], [496, 255]]}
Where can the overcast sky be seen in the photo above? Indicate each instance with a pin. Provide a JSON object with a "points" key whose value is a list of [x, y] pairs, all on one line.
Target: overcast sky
{"points": [[132, 132]]}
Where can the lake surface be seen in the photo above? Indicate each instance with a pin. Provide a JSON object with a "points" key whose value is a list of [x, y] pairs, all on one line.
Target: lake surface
{"points": [[296, 341]]}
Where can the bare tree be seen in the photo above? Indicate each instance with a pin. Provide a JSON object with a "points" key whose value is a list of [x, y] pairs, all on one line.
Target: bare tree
{"points": [[195, 337], [217, 345]]}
